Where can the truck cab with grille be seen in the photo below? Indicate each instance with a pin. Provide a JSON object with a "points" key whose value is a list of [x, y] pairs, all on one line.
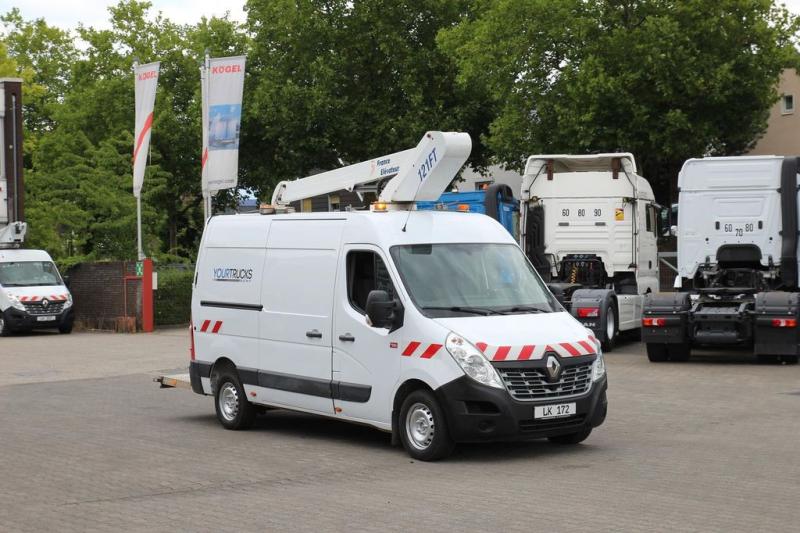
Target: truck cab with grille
{"points": [[589, 226]]}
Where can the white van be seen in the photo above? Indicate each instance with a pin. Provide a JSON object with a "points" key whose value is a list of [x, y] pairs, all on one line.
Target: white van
{"points": [[430, 325], [32, 293]]}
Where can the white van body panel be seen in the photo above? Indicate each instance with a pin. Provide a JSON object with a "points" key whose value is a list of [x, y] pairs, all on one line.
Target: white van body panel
{"points": [[735, 193]]}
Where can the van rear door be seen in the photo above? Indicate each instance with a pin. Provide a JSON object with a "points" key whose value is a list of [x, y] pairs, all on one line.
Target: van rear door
{"points": [[296, 327]]}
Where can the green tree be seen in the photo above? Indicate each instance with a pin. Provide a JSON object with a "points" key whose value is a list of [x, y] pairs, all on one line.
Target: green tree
{"points": [[333, 80], [664, 79]]}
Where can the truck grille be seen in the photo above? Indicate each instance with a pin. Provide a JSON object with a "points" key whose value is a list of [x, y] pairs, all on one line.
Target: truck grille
{"points": [[36, 308], [533, 384]]}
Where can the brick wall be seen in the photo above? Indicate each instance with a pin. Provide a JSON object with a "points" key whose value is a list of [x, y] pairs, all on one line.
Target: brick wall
{"points": [[101, 293]]}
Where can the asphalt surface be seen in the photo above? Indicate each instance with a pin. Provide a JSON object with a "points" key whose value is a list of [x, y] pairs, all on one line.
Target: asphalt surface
{"points": [[89, 443]]}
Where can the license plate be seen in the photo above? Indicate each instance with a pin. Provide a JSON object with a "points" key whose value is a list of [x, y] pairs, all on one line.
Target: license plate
{"points": [[45, 318], [554, 411]]}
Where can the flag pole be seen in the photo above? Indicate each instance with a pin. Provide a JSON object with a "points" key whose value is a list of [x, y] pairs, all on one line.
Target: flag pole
{"points": [[207, 206], [139, 250]]}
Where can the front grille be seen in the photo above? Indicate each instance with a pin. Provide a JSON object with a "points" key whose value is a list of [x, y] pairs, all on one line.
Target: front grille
{"points": [[529, 426], [36, 308], [533, 384]]}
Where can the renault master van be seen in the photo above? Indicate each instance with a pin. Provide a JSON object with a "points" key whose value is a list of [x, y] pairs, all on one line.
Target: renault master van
{"points": [[32, 293], [430, 325]]}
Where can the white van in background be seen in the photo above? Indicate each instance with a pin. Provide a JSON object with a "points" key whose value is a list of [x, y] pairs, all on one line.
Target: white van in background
{"points": [[32, 293]]}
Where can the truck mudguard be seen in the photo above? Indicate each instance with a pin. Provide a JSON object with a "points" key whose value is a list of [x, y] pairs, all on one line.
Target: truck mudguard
{"points": [[673, 309], [601, 299], [775, 323]]}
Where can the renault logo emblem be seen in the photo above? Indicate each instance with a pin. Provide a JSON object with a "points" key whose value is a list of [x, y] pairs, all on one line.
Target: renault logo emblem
{"points": [[553, 367], [45, 303]]}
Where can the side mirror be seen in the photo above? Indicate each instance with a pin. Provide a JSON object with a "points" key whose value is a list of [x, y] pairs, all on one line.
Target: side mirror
{"points": [[673, 231], [67, 281], [382, 311]]}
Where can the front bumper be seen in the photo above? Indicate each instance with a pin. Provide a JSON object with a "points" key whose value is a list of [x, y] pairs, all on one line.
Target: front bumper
{"points": [[477, 413], [17, 320]]}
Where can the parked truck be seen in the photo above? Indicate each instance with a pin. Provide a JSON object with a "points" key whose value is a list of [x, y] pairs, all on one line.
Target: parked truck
{"points": [[737, 262], [589, 225]]}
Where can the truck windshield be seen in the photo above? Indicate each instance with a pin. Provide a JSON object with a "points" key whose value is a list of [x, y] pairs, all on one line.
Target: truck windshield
{"points": [[29, 273], [471, 279]]}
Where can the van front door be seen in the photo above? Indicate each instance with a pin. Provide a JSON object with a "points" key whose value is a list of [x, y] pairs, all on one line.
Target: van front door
{"points": [[366, 360]]}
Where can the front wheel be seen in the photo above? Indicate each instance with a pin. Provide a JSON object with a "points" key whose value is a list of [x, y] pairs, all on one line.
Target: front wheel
{"points": [[65, 329], [234, 411], [572, 438], [423, 429]]}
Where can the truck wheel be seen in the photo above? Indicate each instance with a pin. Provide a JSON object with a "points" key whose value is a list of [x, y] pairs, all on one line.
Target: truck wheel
{"points": [[679, 352], [766, 359], [610, 330], [5, 329], [234, 411], [657, 353], [423, 429], [572, 438]]}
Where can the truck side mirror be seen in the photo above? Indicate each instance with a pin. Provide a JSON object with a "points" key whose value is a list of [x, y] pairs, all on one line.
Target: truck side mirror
{"points": [[382, 311], [67, 281]]}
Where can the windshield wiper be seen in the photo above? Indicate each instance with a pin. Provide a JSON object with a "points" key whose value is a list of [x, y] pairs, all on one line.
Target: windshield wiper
{"points": [[457, 308], [525, 308]]}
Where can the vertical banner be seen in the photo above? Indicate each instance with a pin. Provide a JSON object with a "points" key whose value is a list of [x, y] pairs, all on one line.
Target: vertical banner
{"points": [[146, 80], [222, 84]]}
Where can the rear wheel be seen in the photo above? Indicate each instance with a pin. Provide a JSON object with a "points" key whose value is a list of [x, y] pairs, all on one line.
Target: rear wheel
{"points": [[423, 429], [610, 329], [234, 411], [657, 353], [572, 438]]}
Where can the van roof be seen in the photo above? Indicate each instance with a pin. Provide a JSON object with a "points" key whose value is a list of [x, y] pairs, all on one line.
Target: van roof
{"points": [[11, 254], [382, 229]]}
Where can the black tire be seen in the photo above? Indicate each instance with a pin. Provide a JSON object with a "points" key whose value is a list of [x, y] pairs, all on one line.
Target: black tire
{"points": [[432, 440], [238, 412], [679, 352], [5, 329], [65, 329], [610, 328], [571, 438], [657, 353]]}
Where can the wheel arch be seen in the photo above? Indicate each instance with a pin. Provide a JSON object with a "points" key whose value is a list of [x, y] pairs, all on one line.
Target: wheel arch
{"points": [[406, 388]]}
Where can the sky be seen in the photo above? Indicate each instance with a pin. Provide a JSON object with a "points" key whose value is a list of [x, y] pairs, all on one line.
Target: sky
{"points": [[68, 14]]}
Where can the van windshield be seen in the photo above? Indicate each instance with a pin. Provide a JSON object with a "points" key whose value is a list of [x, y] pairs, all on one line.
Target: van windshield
{"points": [[29, 273], [471, 279]]}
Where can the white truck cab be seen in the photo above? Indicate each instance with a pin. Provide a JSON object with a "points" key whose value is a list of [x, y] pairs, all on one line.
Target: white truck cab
{"points": [[589, 224], [32, 293], [430, 325]]}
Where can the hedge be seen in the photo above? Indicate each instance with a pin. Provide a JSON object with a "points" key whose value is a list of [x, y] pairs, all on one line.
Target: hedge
{"points": [[173, 299]]}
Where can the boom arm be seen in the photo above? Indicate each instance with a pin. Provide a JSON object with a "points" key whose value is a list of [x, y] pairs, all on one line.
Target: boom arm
{"points": [[420, 173]]}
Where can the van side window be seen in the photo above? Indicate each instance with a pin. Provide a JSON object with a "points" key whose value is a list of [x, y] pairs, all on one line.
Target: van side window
{"points": [[366, 272]]}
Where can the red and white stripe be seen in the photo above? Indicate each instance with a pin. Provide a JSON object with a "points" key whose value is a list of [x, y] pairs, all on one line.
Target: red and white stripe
{"points": [[206, 326], [52, 298], [423, 351], [537, 351]]}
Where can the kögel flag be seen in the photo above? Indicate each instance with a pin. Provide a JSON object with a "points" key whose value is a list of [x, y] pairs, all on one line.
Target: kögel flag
{"points": [[146, 81], [222, 86]]}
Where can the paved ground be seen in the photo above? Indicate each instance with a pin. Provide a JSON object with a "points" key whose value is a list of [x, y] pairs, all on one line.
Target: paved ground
{"points": [[89, 443]]}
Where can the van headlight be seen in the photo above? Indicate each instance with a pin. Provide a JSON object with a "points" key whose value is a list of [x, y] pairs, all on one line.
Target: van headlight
{"points": [[68, 302], [598, 367], [472, 361], [16, 303]]}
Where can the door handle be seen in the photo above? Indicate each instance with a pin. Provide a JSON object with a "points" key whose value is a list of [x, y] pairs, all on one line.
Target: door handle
{"points": [[346, 338], [313, 334]]}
